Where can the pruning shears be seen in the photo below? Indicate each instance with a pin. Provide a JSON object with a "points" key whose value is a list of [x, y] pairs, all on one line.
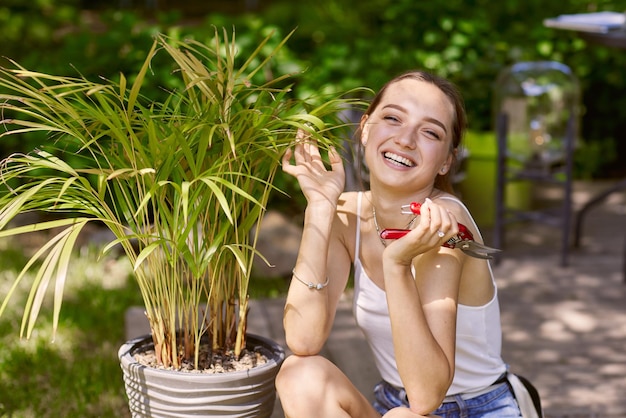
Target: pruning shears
{"points": [[464, 240]]}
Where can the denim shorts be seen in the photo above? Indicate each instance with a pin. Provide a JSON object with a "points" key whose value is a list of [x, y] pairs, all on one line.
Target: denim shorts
{"points": [[497, 403]]}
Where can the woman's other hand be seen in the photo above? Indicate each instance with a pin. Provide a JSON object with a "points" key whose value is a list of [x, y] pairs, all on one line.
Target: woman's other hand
{"points": [[318, 183]]}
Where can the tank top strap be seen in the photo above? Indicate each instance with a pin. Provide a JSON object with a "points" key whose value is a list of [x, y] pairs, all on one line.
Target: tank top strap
{"points": [[357, 244]]}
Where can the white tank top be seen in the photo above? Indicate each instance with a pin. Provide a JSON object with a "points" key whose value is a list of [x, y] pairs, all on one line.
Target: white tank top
{"points": [[478, 334]]}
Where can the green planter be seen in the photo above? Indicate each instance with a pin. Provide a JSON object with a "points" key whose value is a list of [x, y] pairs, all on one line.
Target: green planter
{"points": [[478, 188]]}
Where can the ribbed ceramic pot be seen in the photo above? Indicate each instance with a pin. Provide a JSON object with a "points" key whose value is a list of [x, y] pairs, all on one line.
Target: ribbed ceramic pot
{"points": [[164, 393]]}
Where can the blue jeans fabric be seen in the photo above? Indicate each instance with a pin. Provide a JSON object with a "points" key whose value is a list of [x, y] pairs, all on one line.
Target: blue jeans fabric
{"points": [[498, 403]]}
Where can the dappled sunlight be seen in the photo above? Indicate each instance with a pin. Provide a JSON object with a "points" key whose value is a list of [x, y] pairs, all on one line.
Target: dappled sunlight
{"points": [[555, 330], [61, 343], [565, 329], [618, 370], [107, 272], [529, 238], [520, 335], [571, 316], [546, 355]]}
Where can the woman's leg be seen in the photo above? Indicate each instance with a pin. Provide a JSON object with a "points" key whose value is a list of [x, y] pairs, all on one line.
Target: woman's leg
{"points": [[313, 387]]}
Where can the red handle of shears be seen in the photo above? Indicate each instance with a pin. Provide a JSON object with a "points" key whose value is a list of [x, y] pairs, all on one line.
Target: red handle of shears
{"points": [[463, 235], [416, 208]]}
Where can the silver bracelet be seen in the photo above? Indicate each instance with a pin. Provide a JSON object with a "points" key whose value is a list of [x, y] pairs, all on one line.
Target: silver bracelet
{"points": [[310, 285]]}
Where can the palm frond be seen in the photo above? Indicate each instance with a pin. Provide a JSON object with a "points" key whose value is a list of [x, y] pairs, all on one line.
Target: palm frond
{"points": [[181, 183]]}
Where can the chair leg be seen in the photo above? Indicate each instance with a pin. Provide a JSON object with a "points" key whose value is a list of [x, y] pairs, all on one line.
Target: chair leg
{"points": [[566, 221], [567, 200], [566, 233], [624, 261]]}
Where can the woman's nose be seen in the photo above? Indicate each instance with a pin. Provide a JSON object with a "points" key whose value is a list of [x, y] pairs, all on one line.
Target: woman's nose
{"points": [[406, 138]]}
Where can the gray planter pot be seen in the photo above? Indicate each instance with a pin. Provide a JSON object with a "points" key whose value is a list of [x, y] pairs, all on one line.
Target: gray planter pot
{"points": [[163, 393]]}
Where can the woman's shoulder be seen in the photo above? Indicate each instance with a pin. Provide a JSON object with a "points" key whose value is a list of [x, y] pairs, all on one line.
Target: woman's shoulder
{"points": [[448, 200], [454, 205]]}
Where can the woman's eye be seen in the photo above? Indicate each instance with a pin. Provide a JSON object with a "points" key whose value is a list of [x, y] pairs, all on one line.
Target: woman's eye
{"points": [[391, 118], [433, 134]]}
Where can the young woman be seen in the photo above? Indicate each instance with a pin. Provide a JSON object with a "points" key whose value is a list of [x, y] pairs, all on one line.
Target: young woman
{"points": [[429, 313]]}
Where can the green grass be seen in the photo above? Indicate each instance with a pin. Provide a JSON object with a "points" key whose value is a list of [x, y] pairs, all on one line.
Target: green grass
{"points": [[77, 375]]}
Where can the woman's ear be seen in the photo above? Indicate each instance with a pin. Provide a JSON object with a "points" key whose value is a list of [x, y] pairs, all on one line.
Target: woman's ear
{"points": [[448, 163], [364, 130]]}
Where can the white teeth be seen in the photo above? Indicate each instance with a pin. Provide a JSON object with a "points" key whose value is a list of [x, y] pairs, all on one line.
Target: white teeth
{"points": [[398, 159]]}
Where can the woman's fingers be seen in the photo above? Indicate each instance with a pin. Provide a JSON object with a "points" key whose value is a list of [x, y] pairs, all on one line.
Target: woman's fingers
{"points": [[304, 162], [336, 163], [440, 222], [306, 149], [436, 225], [306, 153], [299, 151], [287, 166]]}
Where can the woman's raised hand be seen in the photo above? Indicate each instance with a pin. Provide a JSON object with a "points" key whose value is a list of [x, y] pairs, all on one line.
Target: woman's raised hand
{"points": [[318, 183]]}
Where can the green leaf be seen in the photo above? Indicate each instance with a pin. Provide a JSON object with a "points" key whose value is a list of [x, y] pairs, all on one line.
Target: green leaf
{"points": [[134, 92]]}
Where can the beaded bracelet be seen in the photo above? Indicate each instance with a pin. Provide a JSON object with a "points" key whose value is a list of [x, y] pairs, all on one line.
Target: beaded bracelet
{"points": [[310, 285]]}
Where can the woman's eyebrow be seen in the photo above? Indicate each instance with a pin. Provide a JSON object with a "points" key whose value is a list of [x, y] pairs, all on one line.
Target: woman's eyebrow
{"points": [[427, 118], [395, 106], [438, 123]]}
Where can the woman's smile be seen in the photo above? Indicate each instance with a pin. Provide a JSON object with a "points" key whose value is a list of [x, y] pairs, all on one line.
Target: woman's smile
{"points": [[398, 160]]}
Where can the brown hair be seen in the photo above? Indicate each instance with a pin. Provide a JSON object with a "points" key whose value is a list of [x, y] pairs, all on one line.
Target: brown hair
{"points": [[459, 121]]}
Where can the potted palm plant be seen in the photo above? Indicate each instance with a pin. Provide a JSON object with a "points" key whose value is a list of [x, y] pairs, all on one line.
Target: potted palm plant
{"points": [[181, 183]]}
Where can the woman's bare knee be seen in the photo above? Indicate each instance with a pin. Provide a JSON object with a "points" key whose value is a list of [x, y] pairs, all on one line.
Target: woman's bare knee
{"points": [[312, 386], [297, 369], [301, 381]]}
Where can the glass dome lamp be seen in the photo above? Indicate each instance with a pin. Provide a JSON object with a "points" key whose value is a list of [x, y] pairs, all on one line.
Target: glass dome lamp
{"points": [[540, 103], [537, 111]]}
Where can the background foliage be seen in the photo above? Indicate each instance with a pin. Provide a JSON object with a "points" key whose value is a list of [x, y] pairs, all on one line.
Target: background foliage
{"points": [[343, 44]]}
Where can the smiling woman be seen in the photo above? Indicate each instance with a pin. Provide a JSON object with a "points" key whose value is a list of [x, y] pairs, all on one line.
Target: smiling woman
{"points": [[417, 300]]}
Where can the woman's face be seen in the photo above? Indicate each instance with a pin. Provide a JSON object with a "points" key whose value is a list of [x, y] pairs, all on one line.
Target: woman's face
{"points": [[408, 136]]}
